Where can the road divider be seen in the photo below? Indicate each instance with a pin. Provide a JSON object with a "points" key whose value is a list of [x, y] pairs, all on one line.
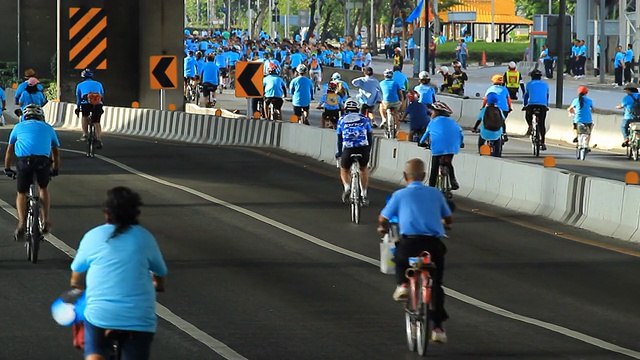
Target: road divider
{"points": [[603, 206]]}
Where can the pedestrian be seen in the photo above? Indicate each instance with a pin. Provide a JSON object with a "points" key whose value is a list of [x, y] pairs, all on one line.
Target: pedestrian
{"points": [[618, 65], [433, 52], [547, 61], [628, 64]]}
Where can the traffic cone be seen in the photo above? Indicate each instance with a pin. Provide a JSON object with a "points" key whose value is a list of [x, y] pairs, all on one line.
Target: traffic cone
{"points": [[483, 61]]}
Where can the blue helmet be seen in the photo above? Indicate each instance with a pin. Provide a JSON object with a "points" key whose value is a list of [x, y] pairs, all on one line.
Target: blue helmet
{"points": [[86, 73], [187, 32], [492, 98]]}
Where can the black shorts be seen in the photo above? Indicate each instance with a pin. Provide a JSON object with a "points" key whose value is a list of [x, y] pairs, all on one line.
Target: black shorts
{"points": [[276, 101], [346, 160], [332, 115], [208, 88], [297, 110], [95, 111], [27, 166]]}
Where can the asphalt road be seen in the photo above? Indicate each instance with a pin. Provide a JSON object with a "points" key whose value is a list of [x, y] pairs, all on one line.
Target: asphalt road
{"points": [[247, 272], [604, 164]]}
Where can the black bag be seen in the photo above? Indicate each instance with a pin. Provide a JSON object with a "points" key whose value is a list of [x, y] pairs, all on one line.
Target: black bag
{"points": [[493, 119], [635, 108]]}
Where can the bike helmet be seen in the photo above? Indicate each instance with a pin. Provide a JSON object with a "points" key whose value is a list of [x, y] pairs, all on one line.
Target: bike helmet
{"points": [[388, 73], [492, 98], [444, 69], [413, 96], [497, 79], [441, 108], [336, 76], [512, 65], [187, 32], [32, 81], [457, 64], [332, 86], [272, 70], [536, 74], [301, 69], [397, 49], [86, 73], [424, 75], [583, 90], [351, 105], [33, 112]]}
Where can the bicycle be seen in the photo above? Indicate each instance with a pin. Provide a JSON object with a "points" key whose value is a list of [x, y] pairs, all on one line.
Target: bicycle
{"points": [[417, 309], [582, 146], [92, 139], [535, 133], [355, 200], [390, 128], [633, 147], [34, 233], [443, 181]]}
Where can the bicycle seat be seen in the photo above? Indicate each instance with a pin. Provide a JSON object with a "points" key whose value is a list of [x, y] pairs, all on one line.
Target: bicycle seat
{"points": [[355, 156]]}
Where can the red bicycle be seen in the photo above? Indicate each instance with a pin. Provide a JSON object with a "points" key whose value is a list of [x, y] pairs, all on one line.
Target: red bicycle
{"points": [[418, 306]]}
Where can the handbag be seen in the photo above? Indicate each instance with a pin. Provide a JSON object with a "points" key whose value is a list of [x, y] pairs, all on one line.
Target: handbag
{"points": [[387, 252]]}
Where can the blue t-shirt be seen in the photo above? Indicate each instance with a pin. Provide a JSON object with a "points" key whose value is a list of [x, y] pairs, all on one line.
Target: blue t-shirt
{"points": [[463, 49], [296, 59], [354, 128], [419, 208], [2, 98], [301, 89], [36, 98], [120, 293], [22, 88], [583, 113], [503, 96], [628, 55], [347, 57], [273, 86], [427, 93], [337, 59], [190, 66], [488, 134], [619, 57], [390, 90], [210, 73], [401, 79], [418, 115], [200, 65], [536, 92], [221, 61], [370, 91], [545, 55], [358, 56], [33, 137], [88, 86], [445, 134], [627, 104], [332, 101]]}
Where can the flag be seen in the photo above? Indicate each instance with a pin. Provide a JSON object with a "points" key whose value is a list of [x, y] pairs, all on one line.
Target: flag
{"points": [[416, 12]]}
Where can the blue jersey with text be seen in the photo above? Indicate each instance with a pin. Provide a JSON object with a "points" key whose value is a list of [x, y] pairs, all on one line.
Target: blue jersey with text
{"points": [[354, 128]]}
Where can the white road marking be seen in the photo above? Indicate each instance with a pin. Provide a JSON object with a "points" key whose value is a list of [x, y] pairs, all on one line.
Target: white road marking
{"points": [[213, 343]]}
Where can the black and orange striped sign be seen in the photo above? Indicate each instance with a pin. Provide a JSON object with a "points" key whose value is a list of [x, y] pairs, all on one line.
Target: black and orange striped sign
{"points": [[88, 38]]}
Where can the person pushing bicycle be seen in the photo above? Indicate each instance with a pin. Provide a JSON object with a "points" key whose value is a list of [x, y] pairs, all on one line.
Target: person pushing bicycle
{"points": [[422, 212], [355, 136], [35, 143]]}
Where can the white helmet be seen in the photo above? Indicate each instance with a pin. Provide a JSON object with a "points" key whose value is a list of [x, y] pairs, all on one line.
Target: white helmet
{"points": [[444, 69], [301, 69], [336, 76], [512, 65], [424, 75], [388, 73]]}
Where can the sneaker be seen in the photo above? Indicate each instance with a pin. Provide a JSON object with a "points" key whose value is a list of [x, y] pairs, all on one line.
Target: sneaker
{"points": [[365, 201], [505, 138], [575, 140], [345, 196], [83, 137], [528, 133], [18, 234], [454, 184], [401, 293], [543, 147], [438, 335], [625, 143], [375, 126]]}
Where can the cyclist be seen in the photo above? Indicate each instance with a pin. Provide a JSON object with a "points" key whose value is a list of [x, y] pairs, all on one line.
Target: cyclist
{"points": [[426, 92], [421, 211], [29, 73], [32, 95], [301, 89], [35, 143], [581, 109], [89, 101], [337, 78], [392, 98], [3, 105], [418, 113], [274, 90], [121, 267], [403, 81], [536, 99], [504, 101], [315, 70], [190, 70], [223, 68], [355, 136], [491, 125], [369, 93], [332, 102], [513, 80], [210, 76], [629, 102], [445, 138]]}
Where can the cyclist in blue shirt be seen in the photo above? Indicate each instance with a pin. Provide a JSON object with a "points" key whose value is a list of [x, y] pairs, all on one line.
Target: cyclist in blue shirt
{"points": [[32, 95], [424, 89], [536, 100], [120, 267], [369, 93], [29, 73], [210, 80], [332, 103], [355, 136], [223, 67], [392, 98], [627, 104], [274, 90], [422, 212], [190, 69], [445, 138], [295, 59], [89, 101], [490, 124], [301, 89], [35, 144], [418, 115], [581, 109], [3, 105]]}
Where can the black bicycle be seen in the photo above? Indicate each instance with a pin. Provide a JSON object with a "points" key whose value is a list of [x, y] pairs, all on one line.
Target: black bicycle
{"points": [[92, 139], [536, 142], [34, 229]]}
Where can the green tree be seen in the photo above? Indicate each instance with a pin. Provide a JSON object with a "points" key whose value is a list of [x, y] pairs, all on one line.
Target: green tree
{"points": [[528, 8]]}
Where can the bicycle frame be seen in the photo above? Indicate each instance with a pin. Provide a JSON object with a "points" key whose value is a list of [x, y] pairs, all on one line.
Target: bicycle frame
{"points": [[354, 199], [417, 316], [582, 147], [33, 233], [91, 137], [535, 135]]}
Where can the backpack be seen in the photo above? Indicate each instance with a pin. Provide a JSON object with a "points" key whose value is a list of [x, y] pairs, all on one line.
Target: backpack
{"points": [[635, 108], [332, 99], [94, 98], [493, 120], [314, 63]]}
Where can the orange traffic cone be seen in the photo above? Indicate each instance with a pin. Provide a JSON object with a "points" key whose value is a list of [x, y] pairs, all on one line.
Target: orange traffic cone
{"points": [[483, 61]]}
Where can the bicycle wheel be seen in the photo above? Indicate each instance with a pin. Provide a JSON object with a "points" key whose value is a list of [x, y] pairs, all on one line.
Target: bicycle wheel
{"points": [[355, 195], [409, 317], [423, 323], [27, 234], [91, 139], [35, 233]]}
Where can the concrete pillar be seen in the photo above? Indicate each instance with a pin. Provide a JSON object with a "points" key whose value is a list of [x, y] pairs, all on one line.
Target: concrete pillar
{"points": [[9, 31], [622, 23], [581, 19], [37, 36], [161, 32]]}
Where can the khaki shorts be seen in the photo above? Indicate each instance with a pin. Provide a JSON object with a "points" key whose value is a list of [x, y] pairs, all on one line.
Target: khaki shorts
{"points": [[391, 105]]}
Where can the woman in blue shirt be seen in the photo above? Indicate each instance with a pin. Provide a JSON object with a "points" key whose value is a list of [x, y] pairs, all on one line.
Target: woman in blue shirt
{"points": [[628, 117], [119, 264], [581, 109]]}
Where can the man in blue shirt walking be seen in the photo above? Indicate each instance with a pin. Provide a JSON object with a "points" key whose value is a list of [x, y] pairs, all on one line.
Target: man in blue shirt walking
{"points": [[421, 211], [536, 100]]}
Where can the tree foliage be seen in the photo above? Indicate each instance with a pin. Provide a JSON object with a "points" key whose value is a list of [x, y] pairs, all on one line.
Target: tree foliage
{"points": [[528, 8]]}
